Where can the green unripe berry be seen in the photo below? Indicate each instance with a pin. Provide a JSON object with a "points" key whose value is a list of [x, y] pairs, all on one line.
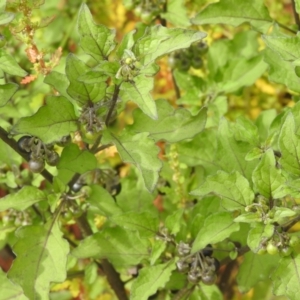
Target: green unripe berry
{"points": [[272, 249], [294, 241], [286, 251]]}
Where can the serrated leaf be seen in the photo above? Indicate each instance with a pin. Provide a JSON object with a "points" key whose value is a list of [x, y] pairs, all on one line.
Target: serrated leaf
{"points": [[235, 13], [23, 199], [255, 268], [234, 189], [142, 152], [281, 71], [289, 145], [286, 279], [41, 259], [51, 122], [96, 40], [172, 125], [217, 227], [6, 92], [266, 177], [79, 90], [103, 201], [10, 290], [145, 223], [150, 279], [139, 92], [75, 160], [120, 246], [158, 41], [9, 65]]}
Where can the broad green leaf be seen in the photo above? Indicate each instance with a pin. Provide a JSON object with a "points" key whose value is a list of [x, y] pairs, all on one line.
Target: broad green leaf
{"points": [[281, 71], [173, 221], [51, 122], [150, 279], [255, 268], [139, 92], [142, 152], [249, 218], [6, 17], [259, 234], [96, 40], [120, 246], [145, 223], [75, 160], [103, 201], [8, 65], [158, 247], [245, 130], [23, 199], [6, 92], [81, 91], [235, 13], [172, 125], [266, 177], [158, 41], [41, 259], [176, 13], [233, 189], [285, 279], [10, 290], [126, 43], [217, 227], [289, 145], [7, 156], [282, 214], [231, 153]]}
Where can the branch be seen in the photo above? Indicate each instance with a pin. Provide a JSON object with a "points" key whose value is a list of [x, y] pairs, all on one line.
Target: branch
{"points": [[296, 15], [114, 101]]}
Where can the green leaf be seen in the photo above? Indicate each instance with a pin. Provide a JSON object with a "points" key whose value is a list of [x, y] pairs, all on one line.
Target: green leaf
{"points": [[96, 40], [217, 227], [6, 17], [51, 122], [172, 222], [75, 160], [286, 280], [139, 92], [41, 259], [266, 177], [9, 65], [142, 152], [289, 145], [7, 156], [233, 189], [172, 125], [260, 233], [23, 199], [103, 201], [249, 218], [6, 92], [126, 43], [176, 13], [122, 247], [150, 279], [79, 90], [255, 268], [10, 290], [281, 71], [245, 130], [235, 13], [145, 223], [158, 247], [158, 41]]}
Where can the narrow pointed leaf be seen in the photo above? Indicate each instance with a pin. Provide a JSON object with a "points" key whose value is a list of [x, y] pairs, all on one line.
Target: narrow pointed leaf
{"points": [[23, 199], [122, 247], [41, 259], [234, 189], [158, 41], [51, 122], [235, 12], [266, 177], [8, 65], [139, 92], [96, 40], [150, 279], [216, 228], [286, 279], [172, 125], [289, 145], [6, 92]]}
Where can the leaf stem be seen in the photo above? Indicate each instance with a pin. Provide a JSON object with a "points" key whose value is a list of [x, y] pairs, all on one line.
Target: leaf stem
{"points": [[286, 28], [113, 104]]}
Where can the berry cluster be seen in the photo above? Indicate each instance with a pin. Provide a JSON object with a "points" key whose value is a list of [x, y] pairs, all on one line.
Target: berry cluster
{"points": [[199, 266], [40, 152], [191, 57]]}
